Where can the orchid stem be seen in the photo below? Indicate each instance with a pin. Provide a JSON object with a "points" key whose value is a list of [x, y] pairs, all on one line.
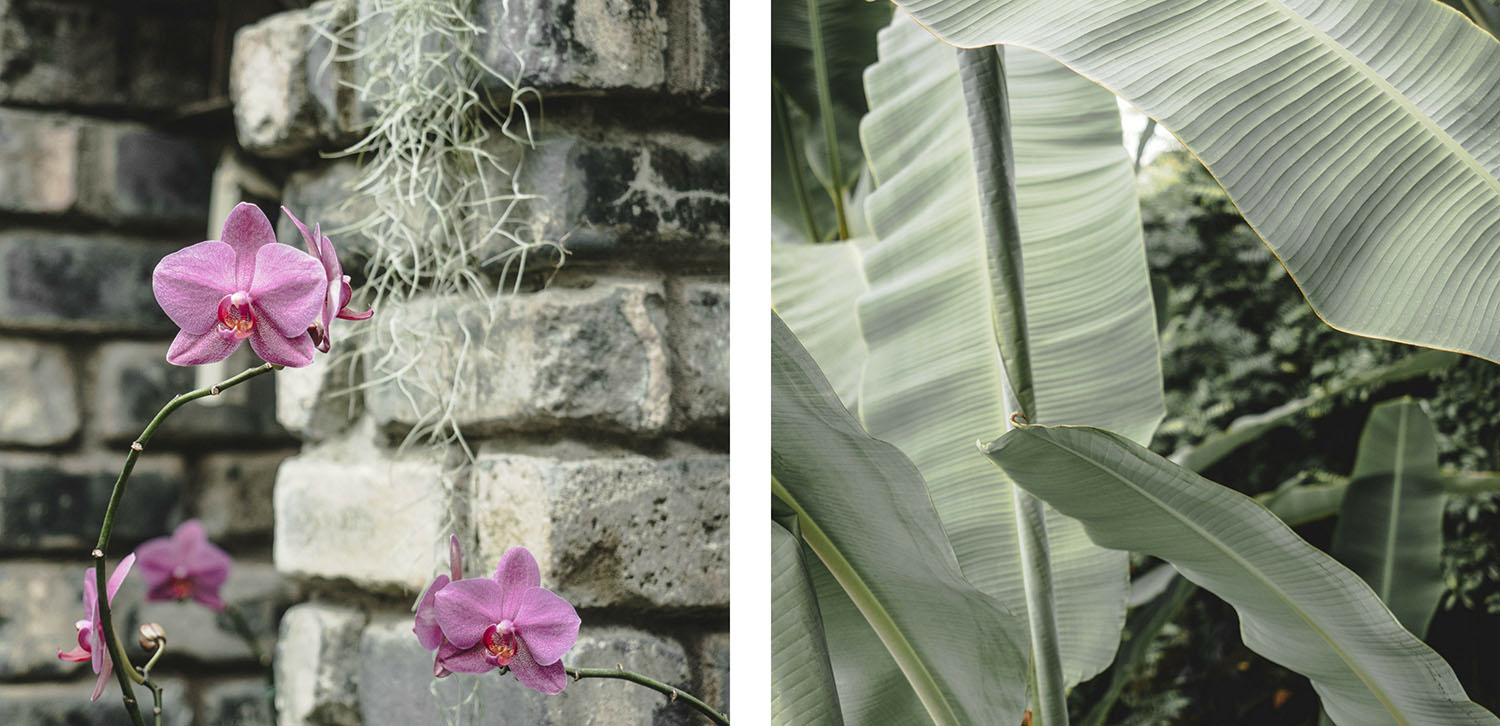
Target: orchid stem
{"points": [[655, 685], [124, 670]]}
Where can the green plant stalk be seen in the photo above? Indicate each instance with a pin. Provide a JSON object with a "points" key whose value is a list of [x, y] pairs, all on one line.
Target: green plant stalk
{"points": [[124, 671], [982, 71], [655, 685], [902, 652], [825, 110], [1162, 610], [793, 159]]}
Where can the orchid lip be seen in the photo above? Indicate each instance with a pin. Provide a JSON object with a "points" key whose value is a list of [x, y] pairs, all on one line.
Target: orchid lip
{"points": [[499, 643], [236, 316]]}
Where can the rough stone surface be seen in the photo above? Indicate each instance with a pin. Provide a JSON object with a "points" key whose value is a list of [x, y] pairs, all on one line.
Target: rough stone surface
{"points": [[284, 88], [67, 283], [131, 381], [325, 195], [69, 704], [238, 702], [196, 633], [624, 531], [39, 601], [395, 673], [700, 346], [39, 153], [713, 669], [38, 389], [316, 402], [698, 57], [559, 45], [234, 493], [349, 510], [572, 357], [50, 502], [317, 666], [136, 174], [660, 198]]}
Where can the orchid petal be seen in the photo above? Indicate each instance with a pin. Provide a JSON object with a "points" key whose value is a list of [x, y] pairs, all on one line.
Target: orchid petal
{"points": [[189, 283], [190, 349], [103, 679], [78, 654], [547, 623], [247, 230], [209, 598], [516, 573], [426, 624], [463, 660], [466, 607], [312, 247], [288, 289], [273, 348], [118, 576], [438, 671], [550, 679]]}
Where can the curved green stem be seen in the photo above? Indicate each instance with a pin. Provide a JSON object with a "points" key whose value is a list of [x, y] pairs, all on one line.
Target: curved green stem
{"points": [[825, 111], [655, 685], [124, 671]]}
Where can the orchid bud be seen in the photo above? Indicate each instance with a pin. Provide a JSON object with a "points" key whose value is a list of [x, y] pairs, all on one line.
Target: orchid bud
{"points": [[152, 636]]}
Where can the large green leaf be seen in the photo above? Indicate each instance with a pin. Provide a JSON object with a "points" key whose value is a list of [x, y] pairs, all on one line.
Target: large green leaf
{"points": [[1390, 529], [1297, 606], [802, 686], [863, 510], [813, 289], [1360, 138], [932, 383]]}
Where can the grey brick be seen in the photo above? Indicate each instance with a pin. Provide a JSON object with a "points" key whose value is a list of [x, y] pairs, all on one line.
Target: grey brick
{"points": [[40, 155], [196, 633], [238, 702], [325, 195], [625, 531], [284, 85], [700, 346], [133, 380], [316, 402], [49, 502], [562, 45], [317, 666], [67, 283], [39, 601], [45, 704], [234, 492], [713, 670], [591, 357], [39, 391]]}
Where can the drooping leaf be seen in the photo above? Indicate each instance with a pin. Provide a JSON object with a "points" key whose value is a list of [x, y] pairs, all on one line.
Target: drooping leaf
{"points": [[1390, 530], [863, 510], [932, 381], [1361, 140], [802, 686], [1297, 606], [813, 289]]}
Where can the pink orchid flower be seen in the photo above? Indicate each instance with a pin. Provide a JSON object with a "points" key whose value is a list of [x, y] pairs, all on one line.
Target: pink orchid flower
{"points": [[91, 628], [510, 621], [185, 565], [429, 634], [243, 285], [336, 299]]}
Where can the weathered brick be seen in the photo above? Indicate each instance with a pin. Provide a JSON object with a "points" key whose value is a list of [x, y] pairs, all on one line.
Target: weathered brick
{"points": [[713, 670], [395, 675], [234, 492], [38, 604], [197, 633], [237, 702], [349, 510], [317, 666], [39, 393], [611, 531], [131, 381], [325, 195], [574, 357], [68, 703], [700, 346], [698, 56], [660, 198], [317, 402], [565, 45], [49, 502], [68, 283], [39, 153], [284, 85]]}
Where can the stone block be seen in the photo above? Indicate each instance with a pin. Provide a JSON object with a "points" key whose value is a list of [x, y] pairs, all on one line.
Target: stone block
{"points": [[197, 633], [627, 531], [135, 174], [699, 311], [142, 55], [131, 381], [61, 282], [325, 195], [50, 502], [658, 198], [713, 670], [317, 666], [577, 45], [593, 357], [698, 56], [350, 510], [237, 702], [234, 492], [45, 704], [39, 601], [40, 394], [284, 83], [395, 675], [317, 402], [40, 155]]}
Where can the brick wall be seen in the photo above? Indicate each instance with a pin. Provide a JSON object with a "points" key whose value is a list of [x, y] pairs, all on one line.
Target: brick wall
{"points": [[596, 408], [605, 451]]}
